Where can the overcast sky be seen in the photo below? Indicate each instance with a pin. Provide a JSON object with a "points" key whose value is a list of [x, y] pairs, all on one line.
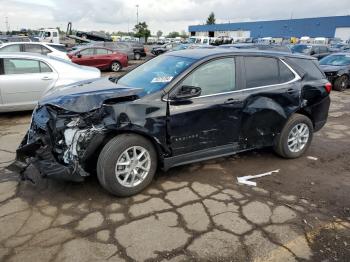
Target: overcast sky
{"points": [[165, 15]]}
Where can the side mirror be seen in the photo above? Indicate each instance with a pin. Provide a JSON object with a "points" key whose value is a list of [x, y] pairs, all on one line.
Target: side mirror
{"points": [[79, 55], [312, 52], [186, 92]]}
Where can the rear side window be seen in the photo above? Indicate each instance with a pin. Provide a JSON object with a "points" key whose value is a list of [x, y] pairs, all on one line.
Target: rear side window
{"points": [[101, 51], [261, 71], [32, 48], [309, 67], [11, 48]]}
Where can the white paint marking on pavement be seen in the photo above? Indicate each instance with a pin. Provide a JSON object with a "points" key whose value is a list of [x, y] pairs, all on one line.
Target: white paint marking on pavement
{"points": [[245, 179], [312, 158]]}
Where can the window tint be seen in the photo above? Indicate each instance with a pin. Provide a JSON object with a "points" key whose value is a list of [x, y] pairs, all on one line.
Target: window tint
{"points": [[285, 74], [21, 66], [61, 48], [214, 77], [54, 34], [101, 51], [309, 67], [323, 49], [261, 71], [45, 50], [32, 48], [11, 48], [44, 68], [88, 51]]}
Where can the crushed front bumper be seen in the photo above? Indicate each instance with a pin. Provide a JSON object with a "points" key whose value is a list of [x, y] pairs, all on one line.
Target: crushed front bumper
{"points": [[57, 148]]}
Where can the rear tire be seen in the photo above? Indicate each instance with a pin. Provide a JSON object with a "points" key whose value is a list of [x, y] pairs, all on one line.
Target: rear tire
{"points": [[137, 56], [119, 171], [341, 83], [116, 66], [295, 138]]}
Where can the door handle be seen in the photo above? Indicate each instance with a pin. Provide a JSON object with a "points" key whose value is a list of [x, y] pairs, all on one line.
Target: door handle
{"points": [[233, 101], [291, 91], [46, 78]]}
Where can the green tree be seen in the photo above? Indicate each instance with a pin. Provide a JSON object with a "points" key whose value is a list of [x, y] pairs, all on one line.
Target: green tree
{"points": [[141, 30], [159, 33], [173, 34], [211, 19]]}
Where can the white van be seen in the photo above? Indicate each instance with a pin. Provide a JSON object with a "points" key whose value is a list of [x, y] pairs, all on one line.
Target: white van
{"points": [[49, 35]]}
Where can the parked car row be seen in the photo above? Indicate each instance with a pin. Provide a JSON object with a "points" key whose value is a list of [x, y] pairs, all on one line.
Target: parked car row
{"points": [[25, 77]]}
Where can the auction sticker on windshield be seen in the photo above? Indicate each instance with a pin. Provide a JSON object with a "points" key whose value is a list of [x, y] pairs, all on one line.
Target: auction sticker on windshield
{"points": [[162, 79]]}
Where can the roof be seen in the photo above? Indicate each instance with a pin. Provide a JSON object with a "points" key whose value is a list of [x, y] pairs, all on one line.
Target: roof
{"points": [[313, 27], [199, 54]]}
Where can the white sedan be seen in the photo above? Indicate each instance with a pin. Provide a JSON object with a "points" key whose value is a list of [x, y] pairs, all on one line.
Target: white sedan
{"points": [[25, 77], [51, 50]]}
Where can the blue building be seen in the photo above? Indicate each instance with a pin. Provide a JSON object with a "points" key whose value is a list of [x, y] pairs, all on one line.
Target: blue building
{"points": [[329, 27]]}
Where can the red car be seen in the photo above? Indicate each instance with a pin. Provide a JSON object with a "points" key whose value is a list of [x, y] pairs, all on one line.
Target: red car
{"points": [[100, 57]]}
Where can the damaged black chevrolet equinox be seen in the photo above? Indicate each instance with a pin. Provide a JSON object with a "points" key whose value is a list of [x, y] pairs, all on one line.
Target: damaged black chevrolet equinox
{"points": [[178, 108]]}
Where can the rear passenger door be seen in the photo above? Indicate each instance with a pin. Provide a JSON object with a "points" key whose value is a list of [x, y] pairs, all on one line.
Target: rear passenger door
{"points": [[271, 93], [102, 58], [24, 81]]}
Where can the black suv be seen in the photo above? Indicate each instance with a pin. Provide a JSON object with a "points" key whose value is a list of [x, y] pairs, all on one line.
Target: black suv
{"points": [[178, 108]]}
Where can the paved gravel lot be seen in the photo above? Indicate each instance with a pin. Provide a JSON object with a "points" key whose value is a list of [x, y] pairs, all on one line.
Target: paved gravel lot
{"points": [[196, 212]]}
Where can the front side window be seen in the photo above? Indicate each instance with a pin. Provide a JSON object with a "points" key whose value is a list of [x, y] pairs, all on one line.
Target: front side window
{"points": [[88, 51], [21, 66], [261, 71], [155, 74], [11, 48], [214, 77]]}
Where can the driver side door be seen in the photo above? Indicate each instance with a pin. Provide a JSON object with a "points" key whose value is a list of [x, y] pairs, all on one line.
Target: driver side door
{"points": [[210, 120]]}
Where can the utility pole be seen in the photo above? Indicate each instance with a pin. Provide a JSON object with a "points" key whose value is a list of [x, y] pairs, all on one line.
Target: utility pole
{"points": [[7, 24], [137, 14]]}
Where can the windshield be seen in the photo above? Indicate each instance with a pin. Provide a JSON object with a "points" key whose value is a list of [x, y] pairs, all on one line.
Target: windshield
{"points": [[156, 73], [336, 60], [303, 49]]}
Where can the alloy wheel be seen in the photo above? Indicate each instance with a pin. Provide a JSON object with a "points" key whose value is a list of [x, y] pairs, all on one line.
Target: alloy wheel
{"points": [[133, 166], [298, 137]]}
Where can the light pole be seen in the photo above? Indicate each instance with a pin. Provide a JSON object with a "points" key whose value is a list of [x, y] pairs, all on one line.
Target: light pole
{"points": [[137, 14]]}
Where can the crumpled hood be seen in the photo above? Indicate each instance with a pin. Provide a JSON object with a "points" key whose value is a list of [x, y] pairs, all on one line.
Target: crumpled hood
{"points": [[331, 68], [87, 95]]}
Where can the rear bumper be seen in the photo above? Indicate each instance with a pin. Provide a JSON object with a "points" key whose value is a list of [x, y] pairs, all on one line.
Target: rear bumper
{"points": [[319, 113]]}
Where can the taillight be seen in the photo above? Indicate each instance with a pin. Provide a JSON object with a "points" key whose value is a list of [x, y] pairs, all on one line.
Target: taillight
{"points": [[328, 87]]}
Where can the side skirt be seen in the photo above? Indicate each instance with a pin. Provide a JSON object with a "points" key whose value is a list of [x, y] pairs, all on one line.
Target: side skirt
{"points": [[202, 155]]}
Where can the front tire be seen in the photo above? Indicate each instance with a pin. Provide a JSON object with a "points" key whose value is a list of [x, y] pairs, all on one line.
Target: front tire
{"points": [[126, 165], [341, 83], [295, 138]]}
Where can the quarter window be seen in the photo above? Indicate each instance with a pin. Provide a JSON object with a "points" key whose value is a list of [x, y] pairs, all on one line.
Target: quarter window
{"points": [[261, 71], [44, 68], [285, 74], [214, 77]]}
